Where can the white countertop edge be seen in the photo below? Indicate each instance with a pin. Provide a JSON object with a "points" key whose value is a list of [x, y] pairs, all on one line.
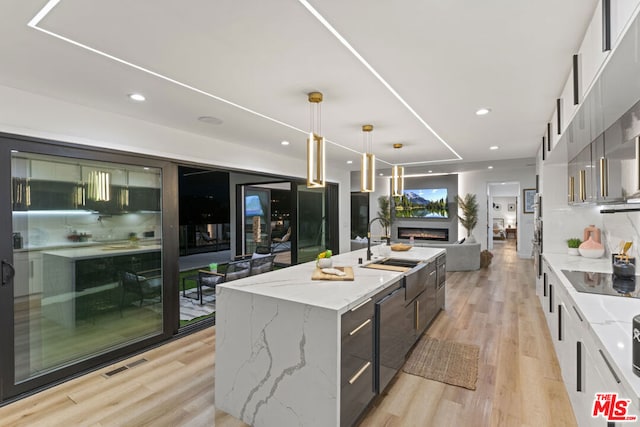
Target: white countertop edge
{"points": [[608, 317], [294, 283]]}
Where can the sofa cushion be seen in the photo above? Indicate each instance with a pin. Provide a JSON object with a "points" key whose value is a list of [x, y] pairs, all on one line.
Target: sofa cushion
{"points": [[460, 257]]}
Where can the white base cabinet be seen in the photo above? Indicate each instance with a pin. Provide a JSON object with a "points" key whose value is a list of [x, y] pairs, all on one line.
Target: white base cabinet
{"points": [[586, 369]]}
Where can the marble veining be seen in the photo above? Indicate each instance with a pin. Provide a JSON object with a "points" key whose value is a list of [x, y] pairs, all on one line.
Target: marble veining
{"points": [[278, 339]]}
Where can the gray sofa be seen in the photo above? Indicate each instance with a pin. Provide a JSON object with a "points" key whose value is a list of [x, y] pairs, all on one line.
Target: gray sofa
{"points": [[460, 257]]}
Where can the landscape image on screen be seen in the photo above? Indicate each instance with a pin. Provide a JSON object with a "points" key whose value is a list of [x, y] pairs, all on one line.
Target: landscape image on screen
{"points": [[424, 203]]}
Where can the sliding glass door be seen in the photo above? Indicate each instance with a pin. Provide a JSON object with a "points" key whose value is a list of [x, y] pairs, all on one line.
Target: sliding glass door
{"points": [[312, 226], [82, 276]]}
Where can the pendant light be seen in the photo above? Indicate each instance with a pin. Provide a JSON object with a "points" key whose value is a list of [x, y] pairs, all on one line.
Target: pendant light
{"points": [[368, 165], [315, 144], [397, 180], [397, 176]]}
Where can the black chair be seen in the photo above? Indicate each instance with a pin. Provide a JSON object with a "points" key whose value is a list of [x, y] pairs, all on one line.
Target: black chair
{"points": [[262, 264], [145, 285], [235, 270]]}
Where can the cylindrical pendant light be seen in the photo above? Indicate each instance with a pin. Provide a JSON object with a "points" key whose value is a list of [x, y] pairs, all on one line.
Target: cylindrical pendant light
{"points": [[315, 144], [397, 180], [368, 164]]}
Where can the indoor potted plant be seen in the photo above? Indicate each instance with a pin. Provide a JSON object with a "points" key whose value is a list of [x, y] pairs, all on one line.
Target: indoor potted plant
{"points": [[469, 217], [573, 245], [384, 213]]}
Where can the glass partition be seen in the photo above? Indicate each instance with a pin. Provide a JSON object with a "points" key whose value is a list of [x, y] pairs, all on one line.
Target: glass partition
{"points": [[87, 254], [311, 223]]}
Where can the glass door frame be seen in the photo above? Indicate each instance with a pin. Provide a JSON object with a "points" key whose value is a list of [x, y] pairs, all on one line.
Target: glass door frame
{"points": [[9, 390]]}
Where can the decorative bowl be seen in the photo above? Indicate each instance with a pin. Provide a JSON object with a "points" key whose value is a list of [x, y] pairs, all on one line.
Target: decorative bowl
{"points": [[591, 253], [324, 263]]}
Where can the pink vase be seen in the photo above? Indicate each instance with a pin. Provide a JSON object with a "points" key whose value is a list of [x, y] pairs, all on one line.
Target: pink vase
{"points": [[591, 248]]}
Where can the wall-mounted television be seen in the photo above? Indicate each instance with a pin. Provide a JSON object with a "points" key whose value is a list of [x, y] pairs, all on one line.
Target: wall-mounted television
{"points": [[422, 203]]}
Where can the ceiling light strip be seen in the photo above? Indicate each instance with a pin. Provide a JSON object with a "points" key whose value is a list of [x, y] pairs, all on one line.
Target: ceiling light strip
{"points": [[35, 21], [364, 62]]}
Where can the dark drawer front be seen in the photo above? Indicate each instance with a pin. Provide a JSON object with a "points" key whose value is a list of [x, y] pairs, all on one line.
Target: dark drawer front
{"points": [[356, 396], [356, 316], [357, 349]]}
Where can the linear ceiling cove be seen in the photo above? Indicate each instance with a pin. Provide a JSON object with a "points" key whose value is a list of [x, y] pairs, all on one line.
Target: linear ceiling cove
{"points": [[419, 70]]}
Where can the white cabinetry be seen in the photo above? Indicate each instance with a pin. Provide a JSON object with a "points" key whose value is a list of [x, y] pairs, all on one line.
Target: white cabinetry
{"points": [[586, 367], [28, 277]]}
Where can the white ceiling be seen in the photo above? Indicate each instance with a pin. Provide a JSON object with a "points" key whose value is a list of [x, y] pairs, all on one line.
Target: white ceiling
{"points": [[240, 61]]}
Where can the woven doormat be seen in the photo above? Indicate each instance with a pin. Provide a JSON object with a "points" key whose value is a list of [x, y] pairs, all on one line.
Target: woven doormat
{"points": [[445, 361]]}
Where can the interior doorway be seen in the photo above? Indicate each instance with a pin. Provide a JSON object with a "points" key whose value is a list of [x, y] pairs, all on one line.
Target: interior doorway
{"points": [[503, 215]]}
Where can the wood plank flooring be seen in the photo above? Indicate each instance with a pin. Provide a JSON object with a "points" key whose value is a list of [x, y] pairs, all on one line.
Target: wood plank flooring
{"points": [[519, 381]]}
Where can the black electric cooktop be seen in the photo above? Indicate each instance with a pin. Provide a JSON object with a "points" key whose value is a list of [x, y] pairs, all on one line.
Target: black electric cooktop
{"points": [[604, 283]]}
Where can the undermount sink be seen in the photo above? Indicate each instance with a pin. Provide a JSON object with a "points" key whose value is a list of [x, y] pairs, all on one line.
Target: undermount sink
{"points": [[393, 262]]}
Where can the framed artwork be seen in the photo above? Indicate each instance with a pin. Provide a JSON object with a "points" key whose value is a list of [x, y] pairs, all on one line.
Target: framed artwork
{"points": [[528, 200], [511, 207]]}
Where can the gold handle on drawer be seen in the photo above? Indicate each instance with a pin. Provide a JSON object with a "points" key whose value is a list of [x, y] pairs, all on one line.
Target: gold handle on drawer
{"points": [[604, 177], [360, 305], [582, 185], [572, 193], [417, 314], [360, 372], [355, 331]]}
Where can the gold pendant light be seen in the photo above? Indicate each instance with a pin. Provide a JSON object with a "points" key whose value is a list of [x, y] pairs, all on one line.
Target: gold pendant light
{"points": [[368, 165], [397, 180], [315, 144]]}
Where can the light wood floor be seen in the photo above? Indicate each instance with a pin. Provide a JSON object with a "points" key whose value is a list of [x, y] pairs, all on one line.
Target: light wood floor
{"points": [[519, 381]]}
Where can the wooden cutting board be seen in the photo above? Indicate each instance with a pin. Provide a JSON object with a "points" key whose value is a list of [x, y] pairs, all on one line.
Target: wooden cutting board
{"points": [[319, 275], [388, 267]]}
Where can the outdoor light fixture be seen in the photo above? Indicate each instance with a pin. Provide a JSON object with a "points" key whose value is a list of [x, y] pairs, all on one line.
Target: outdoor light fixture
{"points": [[315, 144], [397, 180], [368, 166]]}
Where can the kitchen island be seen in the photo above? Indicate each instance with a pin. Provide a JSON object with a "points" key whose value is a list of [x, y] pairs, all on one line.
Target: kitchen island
{"points": [[77, 276], [294, 351]]}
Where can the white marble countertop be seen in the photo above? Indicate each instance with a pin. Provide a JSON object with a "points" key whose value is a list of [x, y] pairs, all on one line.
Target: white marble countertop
{"points": [[295, 284], [102, 251], [609, 317]]}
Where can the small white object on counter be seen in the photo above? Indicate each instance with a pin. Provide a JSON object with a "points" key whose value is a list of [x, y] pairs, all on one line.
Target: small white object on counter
{"points": [[333, 271]]}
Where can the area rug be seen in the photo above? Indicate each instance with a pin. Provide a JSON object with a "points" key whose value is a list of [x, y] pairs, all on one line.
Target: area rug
{"points": [[445, 361]]}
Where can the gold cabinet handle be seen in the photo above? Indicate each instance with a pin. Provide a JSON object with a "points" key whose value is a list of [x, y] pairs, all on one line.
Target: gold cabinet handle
{"points": [[417, 315], [572, 193], [355, 331], [604, 177], [582, 185], [360, 305], [360, 372]]}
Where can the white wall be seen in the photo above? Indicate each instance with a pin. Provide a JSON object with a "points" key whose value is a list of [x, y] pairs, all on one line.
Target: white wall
{"points": [[34, 115]]}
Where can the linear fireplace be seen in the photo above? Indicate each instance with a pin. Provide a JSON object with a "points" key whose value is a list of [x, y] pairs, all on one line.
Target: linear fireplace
{"points": [[424, 233]]}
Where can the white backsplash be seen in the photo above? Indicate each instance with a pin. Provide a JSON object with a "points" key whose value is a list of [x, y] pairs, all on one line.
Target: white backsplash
{"points": [[621, 227]]}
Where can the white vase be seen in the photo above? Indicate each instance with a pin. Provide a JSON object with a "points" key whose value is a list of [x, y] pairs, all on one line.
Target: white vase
{"points": [[471, 239], [573, 251]]}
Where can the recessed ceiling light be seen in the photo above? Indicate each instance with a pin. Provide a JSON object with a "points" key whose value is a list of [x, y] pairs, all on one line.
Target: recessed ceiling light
{"points": [[483, 111], [349, 162], [137, 97], [430, 171], [493, 147], [381, 174], [210, 120], [145, 168], [490, 167], [285, 143]]}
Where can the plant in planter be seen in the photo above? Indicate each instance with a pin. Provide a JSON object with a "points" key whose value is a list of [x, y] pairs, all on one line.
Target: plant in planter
{"points": [[469, 217], [384, 213], [573, 245]]}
